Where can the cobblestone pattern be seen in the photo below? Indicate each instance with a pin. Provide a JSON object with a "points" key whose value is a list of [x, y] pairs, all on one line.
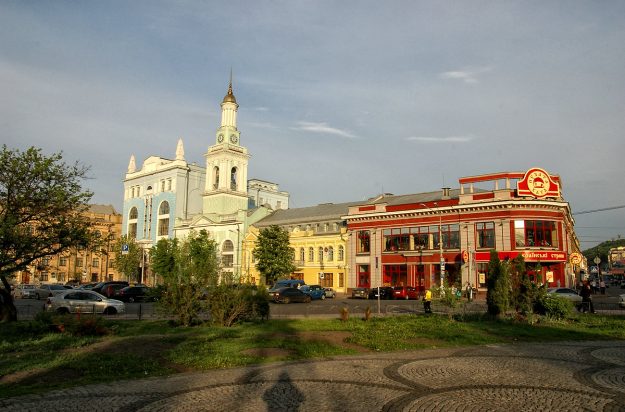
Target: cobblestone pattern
{"points": [[570, 376]]}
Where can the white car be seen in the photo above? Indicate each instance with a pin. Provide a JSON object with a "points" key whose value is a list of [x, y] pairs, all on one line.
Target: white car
{"points": [[24, 291], [84, 301], [566, 293]]}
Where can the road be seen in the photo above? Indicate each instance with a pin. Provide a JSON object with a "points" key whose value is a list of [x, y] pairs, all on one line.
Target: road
{"points": [[28, 308]]}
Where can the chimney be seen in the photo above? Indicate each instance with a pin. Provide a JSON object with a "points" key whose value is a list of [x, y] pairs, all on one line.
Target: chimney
{"points": [[446, 193]]}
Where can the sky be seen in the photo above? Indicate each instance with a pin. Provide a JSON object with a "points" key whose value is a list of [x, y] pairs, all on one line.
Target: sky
{"points": [[339, 100]]}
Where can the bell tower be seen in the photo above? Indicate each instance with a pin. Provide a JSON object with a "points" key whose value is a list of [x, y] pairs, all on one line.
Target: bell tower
{"points": [[225, 192]]}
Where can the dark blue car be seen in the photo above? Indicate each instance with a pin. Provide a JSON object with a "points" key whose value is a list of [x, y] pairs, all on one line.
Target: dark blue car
{"points": [[314, 291]]}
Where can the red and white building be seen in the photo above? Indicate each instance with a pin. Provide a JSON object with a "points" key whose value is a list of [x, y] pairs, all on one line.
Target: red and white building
{"points": [[406, 239]]}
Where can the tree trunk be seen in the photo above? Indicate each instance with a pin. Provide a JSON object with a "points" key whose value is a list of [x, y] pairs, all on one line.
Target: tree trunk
{"points": [[8, 311]]}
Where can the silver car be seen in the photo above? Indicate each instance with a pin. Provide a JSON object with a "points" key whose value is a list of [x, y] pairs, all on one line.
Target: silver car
{"points": [[566, 293], [24, 291], [84, 301], [45, 291]]}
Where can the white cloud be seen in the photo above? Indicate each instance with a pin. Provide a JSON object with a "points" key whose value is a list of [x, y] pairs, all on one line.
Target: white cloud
{"points": [[448, 139], [467, 76], [323, 128]]}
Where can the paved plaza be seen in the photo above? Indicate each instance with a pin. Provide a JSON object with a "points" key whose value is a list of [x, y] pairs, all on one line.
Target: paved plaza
{"points": [[563, 376]]}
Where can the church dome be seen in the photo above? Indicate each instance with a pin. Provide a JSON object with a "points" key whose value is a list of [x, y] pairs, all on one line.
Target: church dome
{"points": [[229, 98]]}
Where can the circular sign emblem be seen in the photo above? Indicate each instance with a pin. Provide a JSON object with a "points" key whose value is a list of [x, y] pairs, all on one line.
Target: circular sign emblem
{"points": [[465, 256], [538, 183], [575, 258]]}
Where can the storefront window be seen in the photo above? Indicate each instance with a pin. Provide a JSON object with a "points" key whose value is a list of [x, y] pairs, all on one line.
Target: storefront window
{"points": [[364, 276], [485, 235], [395, 275], [535, 233], [396, 239]]}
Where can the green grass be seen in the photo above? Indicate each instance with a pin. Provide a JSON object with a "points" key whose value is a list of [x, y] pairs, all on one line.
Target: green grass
{"points": [[33, 359]]}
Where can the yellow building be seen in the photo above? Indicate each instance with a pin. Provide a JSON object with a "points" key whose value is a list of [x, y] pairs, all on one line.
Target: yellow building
{"points": [[82, 265], [318, 236]]}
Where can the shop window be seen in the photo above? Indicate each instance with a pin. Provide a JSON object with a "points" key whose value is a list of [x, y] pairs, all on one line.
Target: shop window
{"points": [[535, 233], [395, 275], [482, 274], [485, 235], [364, 276], [363, 241]]}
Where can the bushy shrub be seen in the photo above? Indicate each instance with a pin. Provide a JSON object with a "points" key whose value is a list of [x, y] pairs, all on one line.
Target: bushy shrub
{"points": [[72, 324], [229, 304], [555, 307]]}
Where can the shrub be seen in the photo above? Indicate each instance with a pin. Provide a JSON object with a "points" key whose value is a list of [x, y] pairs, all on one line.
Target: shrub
{"points": [[554, 307], [230, 304], [72, 324]]}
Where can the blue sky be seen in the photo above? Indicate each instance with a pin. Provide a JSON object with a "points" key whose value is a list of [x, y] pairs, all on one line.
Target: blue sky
{"points": [[339, 100]]}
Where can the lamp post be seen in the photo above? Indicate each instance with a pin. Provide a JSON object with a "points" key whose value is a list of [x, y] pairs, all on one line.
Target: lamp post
{"points": [[440, 241]]}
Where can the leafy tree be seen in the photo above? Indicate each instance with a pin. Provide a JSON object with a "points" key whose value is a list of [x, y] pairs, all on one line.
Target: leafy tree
{"points": [[41, 206], [129, 263], [521, 286], [188, 268], [273, 254], [498, 293]]}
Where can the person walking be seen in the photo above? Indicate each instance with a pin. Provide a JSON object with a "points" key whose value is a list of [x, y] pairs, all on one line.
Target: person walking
{"points": [[602, 286], [587, 299], [427, 301], [469, 290]]}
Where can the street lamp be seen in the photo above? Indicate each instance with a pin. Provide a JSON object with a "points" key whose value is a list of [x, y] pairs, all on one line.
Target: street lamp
{"points": [[440, 241]]}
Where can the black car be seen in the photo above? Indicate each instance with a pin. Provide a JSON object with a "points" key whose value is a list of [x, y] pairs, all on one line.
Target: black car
{"points": [[386, 292], [139, 293], [108, 288], [288, 295]]}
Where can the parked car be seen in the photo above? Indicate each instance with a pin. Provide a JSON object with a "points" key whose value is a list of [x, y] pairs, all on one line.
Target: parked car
{"points": [[288, 295], [566, 293], [139, 293], [83, 301], [88, 286], [360, 293], [330, 293], [386, 292], [314, 291], [24, 291], [290, 283], [45, 291], [405, 292], [108, 288]]}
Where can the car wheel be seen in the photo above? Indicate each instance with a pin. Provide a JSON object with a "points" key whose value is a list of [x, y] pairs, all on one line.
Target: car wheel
{"points": [[308, 299], [110, 311], [131, 299], [62, 311], [286, 300]]}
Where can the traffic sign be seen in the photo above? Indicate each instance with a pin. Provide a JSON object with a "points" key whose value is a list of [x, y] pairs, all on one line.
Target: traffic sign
{"points": [[125, 249], [597, 260]]}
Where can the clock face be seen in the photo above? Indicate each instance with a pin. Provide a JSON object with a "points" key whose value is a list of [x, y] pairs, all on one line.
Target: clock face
{"points": [[233, 139], [220, 138]]}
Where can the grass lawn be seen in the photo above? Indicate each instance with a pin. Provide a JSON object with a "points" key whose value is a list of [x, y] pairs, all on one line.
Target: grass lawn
{"points": [[35, 359]]}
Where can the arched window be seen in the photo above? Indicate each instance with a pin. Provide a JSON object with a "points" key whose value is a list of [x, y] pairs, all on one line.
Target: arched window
{"points": [[341, 254], [233, 178], [311, 254], [132, 223], [320, 254], [228, 246], [215, 177], [301, 254], [330, 254], [164, 208]]}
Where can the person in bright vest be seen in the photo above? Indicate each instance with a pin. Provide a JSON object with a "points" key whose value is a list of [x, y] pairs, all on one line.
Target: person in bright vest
{"points": [[427, 301]]}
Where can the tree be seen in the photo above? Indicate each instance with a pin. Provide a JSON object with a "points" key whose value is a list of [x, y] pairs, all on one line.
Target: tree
{"points": [[498, 283], [41, 213], [521, 286], [129, 263], [273, 254], [188, 268]]}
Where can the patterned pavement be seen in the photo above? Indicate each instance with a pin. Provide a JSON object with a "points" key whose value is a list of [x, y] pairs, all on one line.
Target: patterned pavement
{"points": [[563, 376]]}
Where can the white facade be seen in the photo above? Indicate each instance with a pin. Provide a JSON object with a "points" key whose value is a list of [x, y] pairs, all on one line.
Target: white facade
{"points": [[265, 193]]}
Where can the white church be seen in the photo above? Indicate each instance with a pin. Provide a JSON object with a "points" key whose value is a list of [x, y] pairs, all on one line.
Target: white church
{"points": [[170, 198]]}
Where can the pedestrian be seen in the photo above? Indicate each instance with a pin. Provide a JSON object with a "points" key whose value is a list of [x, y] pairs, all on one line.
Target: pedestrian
{"points": [[602, 286], [587, 299], [593, 286], [469, 290], [427, 301]]}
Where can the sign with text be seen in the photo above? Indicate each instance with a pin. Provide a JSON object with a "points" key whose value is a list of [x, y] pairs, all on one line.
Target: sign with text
{"points": [[537, 183], [528, 255]]}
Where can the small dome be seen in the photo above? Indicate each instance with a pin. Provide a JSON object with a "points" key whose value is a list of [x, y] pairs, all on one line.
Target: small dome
{"points": [[229, 98]]}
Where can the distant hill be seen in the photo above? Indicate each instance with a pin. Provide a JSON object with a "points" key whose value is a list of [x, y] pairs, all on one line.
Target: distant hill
{"points": [[601, 250]]}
